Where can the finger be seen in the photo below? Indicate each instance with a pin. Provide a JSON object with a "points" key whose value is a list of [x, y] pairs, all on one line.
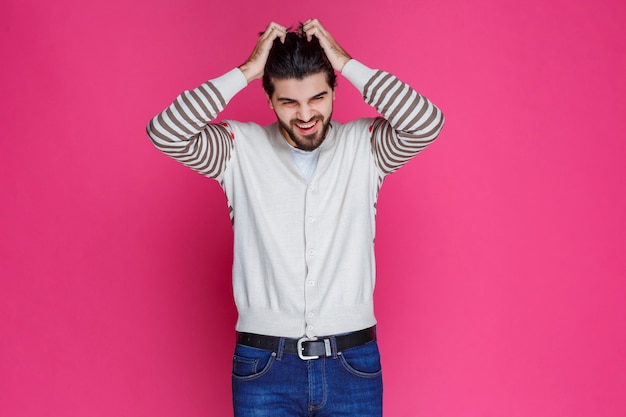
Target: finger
{"points": [[268, 30], [312, 23], [313, 27], [274, 25], [280, 32], [274, 30], [309, 31]]}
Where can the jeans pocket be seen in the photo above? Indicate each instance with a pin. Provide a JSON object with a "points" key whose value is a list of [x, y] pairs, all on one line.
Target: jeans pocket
{"points": [[362, 361], [251, 363]]}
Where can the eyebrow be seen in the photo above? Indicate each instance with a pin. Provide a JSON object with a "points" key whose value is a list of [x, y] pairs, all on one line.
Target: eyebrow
{"points": [[287, 99]]}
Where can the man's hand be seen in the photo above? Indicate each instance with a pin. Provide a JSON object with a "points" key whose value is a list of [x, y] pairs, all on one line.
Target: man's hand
{"points": [[253, 67], [336, 55]]}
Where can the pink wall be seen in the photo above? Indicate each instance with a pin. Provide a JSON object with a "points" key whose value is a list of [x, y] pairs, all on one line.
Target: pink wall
{"points": [[501, 269]]}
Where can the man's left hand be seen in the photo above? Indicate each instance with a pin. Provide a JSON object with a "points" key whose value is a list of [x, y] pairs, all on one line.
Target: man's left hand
{"points": [[336, 55]]}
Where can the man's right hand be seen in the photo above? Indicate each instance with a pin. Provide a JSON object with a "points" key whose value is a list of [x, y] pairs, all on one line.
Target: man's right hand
{"points": [[254, 66]]}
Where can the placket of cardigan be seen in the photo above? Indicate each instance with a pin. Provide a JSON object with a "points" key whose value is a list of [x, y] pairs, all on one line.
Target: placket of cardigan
{"points": [[311, 239]]}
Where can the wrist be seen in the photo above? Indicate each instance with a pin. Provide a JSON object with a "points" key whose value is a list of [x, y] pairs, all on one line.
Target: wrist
{"points": [[250, 71], [342, 63], [247, 72]]}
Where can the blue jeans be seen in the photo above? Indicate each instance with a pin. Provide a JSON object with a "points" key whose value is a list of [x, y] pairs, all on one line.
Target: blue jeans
{"points": [[277, 384]]}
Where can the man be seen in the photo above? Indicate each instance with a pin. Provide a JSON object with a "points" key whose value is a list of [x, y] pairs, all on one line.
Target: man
{"points": [[302, 199]]}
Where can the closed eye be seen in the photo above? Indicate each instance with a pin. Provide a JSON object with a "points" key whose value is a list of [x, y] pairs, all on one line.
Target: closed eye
{"points": [[287, 102], [319, 97]]}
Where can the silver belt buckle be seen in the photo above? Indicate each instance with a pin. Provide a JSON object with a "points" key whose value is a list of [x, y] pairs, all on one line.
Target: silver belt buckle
{"points": [[301, 348]]}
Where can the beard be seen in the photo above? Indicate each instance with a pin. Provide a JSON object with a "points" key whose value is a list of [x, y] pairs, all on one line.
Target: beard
{"points": [[306, 142]]}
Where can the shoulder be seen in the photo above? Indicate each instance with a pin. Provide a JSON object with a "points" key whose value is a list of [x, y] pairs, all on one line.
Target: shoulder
{"points": [[243, 130], [355, 129]]}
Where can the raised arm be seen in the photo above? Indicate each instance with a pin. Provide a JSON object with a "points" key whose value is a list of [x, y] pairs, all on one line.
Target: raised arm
{"points": [[184, 130], [410, 121], [409, 124]]}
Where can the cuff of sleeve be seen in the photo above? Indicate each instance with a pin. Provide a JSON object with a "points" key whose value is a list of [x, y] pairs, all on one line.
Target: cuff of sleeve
{"points": [[230, 83], [357, 73]]}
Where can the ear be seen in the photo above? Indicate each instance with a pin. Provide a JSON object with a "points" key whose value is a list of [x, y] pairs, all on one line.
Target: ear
{"points": [[269, 101]]}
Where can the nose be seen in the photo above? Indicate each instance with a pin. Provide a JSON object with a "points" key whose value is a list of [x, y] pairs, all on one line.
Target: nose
{"points": [[305, 113]]}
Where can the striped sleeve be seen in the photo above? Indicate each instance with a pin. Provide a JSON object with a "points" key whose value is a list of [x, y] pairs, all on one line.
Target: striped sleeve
{"points": [[409, 124], [184, 132]]}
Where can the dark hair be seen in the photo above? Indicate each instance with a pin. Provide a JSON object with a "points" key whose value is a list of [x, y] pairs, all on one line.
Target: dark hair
{"points": [[296, 58]]}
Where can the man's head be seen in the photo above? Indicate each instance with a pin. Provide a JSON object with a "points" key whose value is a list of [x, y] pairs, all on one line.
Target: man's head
{"points": [[296, 58], [300, 85]]}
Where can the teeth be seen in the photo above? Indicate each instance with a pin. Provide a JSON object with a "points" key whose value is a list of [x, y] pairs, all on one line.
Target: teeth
{"points": [[307, 126]]}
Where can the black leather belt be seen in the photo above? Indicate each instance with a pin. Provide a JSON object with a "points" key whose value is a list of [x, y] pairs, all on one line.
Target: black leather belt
{"points": [[309, 348]]}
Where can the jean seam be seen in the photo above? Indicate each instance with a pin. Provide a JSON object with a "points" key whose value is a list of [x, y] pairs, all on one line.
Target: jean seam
{"points": [[322, 404], [354, 372], [264, 371]]}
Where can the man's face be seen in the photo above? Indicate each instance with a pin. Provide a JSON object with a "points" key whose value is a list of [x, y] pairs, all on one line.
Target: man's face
{"points": [[303, 108]]}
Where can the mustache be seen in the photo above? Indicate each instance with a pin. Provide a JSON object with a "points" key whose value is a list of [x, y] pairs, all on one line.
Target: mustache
{"points": [[300, 121]]}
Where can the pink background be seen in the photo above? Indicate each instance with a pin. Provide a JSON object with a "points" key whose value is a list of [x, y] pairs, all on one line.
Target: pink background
{"points": [[501, 287]]}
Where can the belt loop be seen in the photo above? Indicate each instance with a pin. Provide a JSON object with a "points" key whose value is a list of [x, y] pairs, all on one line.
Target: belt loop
{"points": [[280, 349], [333, 345]]}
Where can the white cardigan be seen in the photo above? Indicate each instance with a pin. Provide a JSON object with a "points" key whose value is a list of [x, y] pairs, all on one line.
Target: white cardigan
{"points": [[303, 251]]}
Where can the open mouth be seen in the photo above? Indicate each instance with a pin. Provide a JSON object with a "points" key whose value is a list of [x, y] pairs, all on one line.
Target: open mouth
{"points": [[307, 128]]}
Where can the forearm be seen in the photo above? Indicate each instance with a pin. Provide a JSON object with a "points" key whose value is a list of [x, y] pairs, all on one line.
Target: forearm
{"points": [[411, 122], [184, 130]]}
